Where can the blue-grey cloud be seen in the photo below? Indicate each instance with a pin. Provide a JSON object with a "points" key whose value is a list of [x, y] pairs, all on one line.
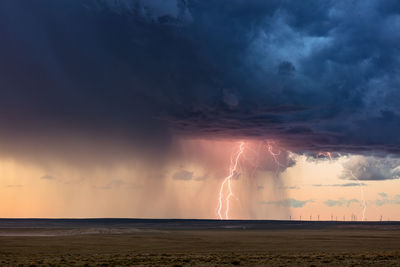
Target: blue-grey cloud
{"points": [[382, 194], [395, 200], [332, 203], [341, 185], [340, 202], [315, 75], [371, 169], [349, 202], [290, 202]]}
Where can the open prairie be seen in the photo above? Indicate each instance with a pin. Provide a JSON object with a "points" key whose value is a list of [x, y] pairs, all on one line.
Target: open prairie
{"points": [[197, 242]]}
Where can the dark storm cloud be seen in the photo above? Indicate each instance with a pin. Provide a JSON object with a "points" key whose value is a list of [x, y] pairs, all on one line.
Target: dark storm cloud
{"points": [[278, 163], [322, 156], [316, 75]]}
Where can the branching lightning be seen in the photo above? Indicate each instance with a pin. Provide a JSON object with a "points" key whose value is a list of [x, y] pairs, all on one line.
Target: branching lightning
{"points": [[226, 192], [274, 155], [364, 203], [227, 183]]}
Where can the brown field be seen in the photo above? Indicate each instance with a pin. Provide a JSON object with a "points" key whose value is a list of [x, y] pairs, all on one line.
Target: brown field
{"points": [[328, 246]]}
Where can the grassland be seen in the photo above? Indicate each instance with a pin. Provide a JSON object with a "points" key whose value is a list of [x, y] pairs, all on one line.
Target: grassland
{"points": [[217, 247]]}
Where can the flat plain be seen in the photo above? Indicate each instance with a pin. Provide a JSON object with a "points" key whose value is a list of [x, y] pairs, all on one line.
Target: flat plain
{"points": [[124, 242]]}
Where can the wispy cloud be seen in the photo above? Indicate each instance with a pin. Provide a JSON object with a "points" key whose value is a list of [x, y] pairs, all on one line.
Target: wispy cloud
{"points": [[395, 200], [115, 184], [47, 177], [353, 200], [14, 186], [340, 202], [382, 194], [183, 175], [201, 178], [290, 202], [290, 187], [340, 185]]}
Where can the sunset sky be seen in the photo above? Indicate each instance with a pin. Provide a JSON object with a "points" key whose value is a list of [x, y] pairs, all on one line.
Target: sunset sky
{"points": [[138, 108]]}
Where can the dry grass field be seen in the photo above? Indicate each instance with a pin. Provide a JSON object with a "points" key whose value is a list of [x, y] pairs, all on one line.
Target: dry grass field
{"points": [[328, 246]]}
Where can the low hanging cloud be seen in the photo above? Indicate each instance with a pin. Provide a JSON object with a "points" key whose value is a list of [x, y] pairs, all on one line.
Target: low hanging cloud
{"points": [[382, 194], [340, 185], [114, 184], [371, 168], [201, 178], [48, 177], [14, 186], [340, 202], [293, 187], [183, 175], [290, 202], [385, 200]]}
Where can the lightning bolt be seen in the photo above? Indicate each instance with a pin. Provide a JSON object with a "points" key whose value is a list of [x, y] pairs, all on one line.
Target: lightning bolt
{"points": [[364, 203], [274, 155], [227, 183]]}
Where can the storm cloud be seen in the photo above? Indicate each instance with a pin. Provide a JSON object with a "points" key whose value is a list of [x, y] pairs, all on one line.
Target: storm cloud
{"points": [[371, 168], [131, 74]]}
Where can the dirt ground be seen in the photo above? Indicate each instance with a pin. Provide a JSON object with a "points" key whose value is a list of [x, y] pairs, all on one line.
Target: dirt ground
{"points": [[293, 247]]}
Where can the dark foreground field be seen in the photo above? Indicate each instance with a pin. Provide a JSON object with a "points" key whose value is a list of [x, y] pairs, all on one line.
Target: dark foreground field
{"points": [[201, 243]]}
